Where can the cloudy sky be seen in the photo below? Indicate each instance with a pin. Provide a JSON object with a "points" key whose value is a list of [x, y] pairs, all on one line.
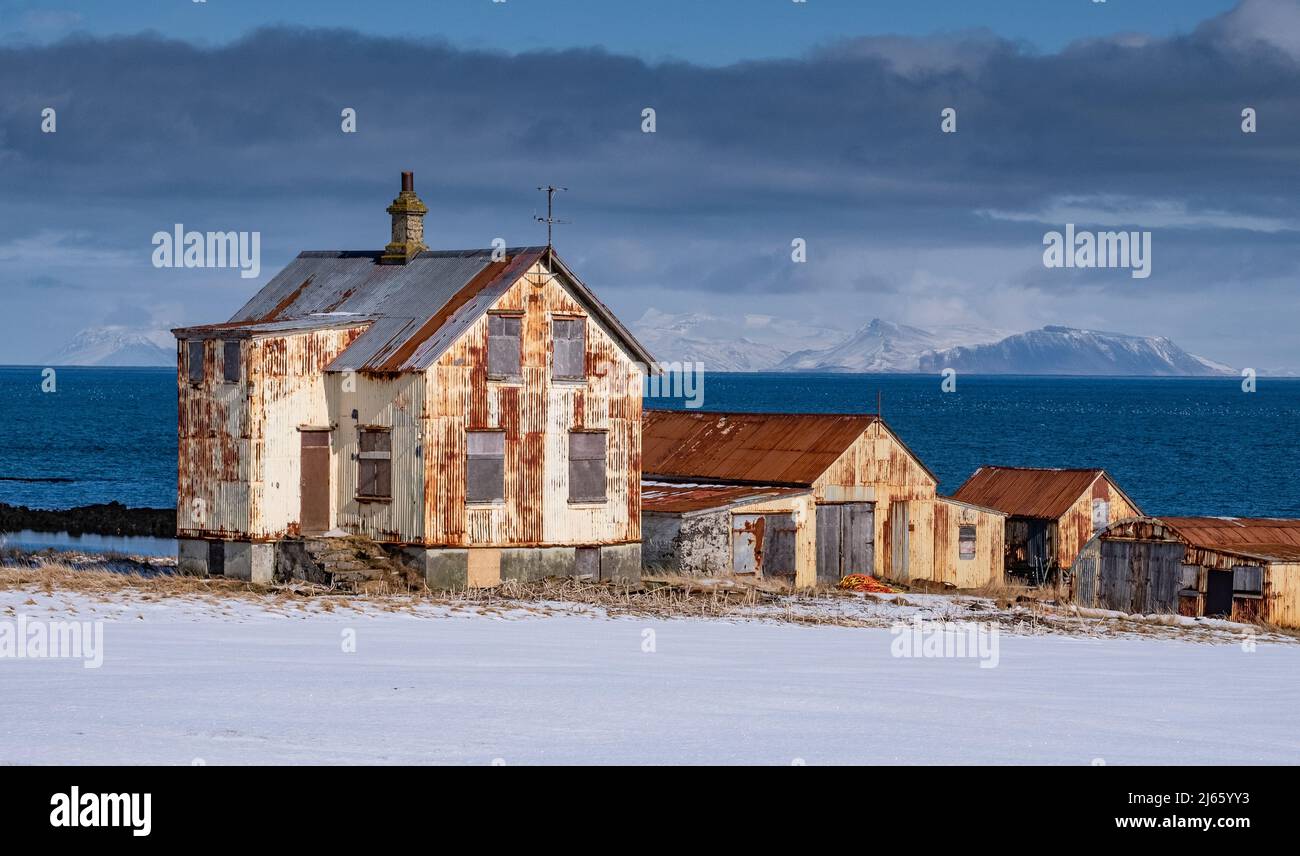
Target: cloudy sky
{"points": [[774, 121]]}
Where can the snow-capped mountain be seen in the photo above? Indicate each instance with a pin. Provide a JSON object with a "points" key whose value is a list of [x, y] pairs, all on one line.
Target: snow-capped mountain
{"points": [[116, 346], [883, 346], [1070, 351]]}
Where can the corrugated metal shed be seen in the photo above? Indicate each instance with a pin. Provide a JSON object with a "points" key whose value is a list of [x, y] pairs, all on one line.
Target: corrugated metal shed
{"points": [[789, 449], [1025, 491], [681, 498], [1268, 538]]}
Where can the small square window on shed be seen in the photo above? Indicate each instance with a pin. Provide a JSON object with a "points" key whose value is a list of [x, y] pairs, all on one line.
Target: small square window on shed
{"points": [[586, 466], [505, 348], [230, 362], [194, 360], [485, 466], [1248, 579], [568, 348], [966, 542], [375, 464], [1100, 514]]}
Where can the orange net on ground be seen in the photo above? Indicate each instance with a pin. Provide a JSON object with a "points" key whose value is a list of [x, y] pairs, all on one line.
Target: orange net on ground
{"points": [[862, 582]]}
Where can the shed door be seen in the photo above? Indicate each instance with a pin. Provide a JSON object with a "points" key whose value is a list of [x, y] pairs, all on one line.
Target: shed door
{"points": [[746, 543], [779, 546], [763, 544], [898, 541], [314, 485], [1038, 547], [828, 543], [1218, 594], [858, 537]]}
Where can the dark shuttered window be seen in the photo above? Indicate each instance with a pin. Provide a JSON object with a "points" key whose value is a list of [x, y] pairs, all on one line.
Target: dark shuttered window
{"points": [[569, 348], [195, 360], [966, 542], [375, 464], [230, 362], [485, 466], [586, 466], [504, 347]]}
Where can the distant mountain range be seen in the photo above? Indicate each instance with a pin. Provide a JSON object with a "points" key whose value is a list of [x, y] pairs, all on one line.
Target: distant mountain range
{"points": [[116, 346], [765, 343], [761, 343], [882, 346], [1067, 351]]}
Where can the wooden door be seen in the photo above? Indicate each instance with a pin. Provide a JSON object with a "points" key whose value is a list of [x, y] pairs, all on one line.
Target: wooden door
{"points": [[898, 541], [858, 539], [314, 485], [828, 543]]}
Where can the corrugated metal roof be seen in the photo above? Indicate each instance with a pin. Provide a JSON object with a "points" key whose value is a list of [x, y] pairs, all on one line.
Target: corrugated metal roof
{"points": [[244, 330], [418, 309], [1272, 538], [680, 498], [1026, 491], [773, 448], [356, 282]]}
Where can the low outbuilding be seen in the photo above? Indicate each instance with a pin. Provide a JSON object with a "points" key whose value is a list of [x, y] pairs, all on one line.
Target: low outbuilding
{"points": [[1246, 569], [830, 494], [1051, 513]]}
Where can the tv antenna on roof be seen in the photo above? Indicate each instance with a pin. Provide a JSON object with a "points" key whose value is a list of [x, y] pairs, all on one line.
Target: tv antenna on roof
{"points": [[549, 219]]}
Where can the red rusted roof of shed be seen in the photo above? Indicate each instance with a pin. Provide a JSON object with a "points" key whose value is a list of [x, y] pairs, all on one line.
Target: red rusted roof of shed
{"points": [[765, 448]]}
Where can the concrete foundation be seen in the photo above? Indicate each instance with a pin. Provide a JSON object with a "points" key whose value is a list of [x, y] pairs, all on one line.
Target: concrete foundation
{"points": [[249, 561], [443, 569], [448, 568], [192, 557], [621, 563]]}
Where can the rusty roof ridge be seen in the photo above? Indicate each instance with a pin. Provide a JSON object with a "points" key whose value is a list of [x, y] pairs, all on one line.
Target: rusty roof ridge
{"points": [[683, 480]]}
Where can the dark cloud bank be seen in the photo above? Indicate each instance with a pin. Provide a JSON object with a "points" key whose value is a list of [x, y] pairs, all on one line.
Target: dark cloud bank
{"points": [[842, 148]]}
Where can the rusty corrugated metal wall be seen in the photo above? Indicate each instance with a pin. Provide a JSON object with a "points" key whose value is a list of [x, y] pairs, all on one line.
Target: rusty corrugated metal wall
{"points": [[239, 443], [1075, 527], [986, 567], [399, 404], [879, 468], [536, 415]]}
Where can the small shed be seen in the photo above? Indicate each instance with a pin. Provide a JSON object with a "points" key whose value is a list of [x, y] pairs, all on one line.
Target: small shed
{"points": [[851, 495], [718, 529], [1051, 513], [1246, 569]]}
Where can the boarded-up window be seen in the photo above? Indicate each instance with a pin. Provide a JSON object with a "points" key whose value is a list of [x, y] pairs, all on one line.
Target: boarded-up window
{"points": [[230, 362], [485, 466], [586, 466], [504, 347], [195, 360], [966, 542], [569, 348], [1248, 579], [375, 464]]}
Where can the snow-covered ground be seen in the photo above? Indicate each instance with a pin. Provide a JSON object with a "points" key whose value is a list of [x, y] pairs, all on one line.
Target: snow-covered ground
{"points": [[244, 681]]}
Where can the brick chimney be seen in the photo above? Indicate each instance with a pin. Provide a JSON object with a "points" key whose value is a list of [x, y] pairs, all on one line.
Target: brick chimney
{"points": [[408, 224]]}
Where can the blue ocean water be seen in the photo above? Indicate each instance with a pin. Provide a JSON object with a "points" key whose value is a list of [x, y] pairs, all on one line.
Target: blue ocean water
{"points": [[103, 434], [1177, 445]]}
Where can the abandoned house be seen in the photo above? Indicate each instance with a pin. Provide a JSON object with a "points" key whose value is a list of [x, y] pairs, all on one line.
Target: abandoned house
{"points": [[1246, 569], [1051, 513], [810, 498], [478, 412]]}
